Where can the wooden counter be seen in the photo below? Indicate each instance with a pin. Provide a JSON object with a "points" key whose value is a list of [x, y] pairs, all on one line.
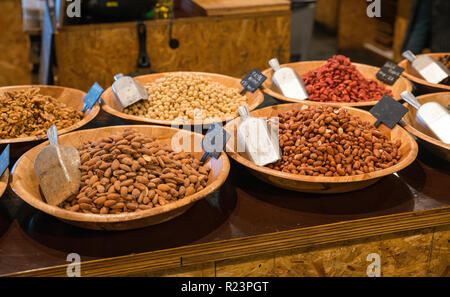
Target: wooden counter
{"points": [[231, 44], [249, 228]]}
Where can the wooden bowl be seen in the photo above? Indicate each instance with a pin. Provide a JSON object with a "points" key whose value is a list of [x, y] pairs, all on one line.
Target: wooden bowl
{"points": [[24, 182], [4, 179], [110, 106], [71, 97], [301, 68], [322, 184], [436, 146], [422, 85]]}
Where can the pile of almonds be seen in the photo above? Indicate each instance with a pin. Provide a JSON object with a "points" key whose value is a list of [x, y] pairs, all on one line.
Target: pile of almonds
{"points": [[130, 172], [339, 81], [329, 141]]}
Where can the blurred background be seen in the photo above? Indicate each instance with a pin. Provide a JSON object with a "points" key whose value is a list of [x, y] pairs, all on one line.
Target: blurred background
{"points": [[75, 43]]}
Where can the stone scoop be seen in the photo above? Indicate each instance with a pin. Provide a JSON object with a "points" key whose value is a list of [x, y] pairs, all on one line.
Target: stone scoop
{"points": [[58, 170]]}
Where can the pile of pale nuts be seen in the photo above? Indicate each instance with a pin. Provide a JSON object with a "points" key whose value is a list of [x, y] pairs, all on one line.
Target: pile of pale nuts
{"points": [[28, 112], [329, 141], [187, 96], [131, 172]]}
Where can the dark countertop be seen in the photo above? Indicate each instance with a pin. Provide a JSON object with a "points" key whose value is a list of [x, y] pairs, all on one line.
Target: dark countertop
{"points": [[243, 206]]}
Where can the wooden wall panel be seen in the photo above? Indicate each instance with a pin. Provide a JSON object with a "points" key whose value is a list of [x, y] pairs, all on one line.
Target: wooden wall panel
{"points": [[255, 266], [200, 270], [226, 45], [416, 253], [15, 68], [401, 25], [440, 254], [327, 13], [400, 256], [355, 27]]}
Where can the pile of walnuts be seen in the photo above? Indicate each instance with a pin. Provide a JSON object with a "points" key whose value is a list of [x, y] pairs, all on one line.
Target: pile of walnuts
{"points": [[29, 113]]}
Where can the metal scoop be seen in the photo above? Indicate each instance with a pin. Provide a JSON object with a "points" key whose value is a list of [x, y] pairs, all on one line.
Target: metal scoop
{"points": [[289, 82], [432, 116], [127, 91], [256, 140], [431, 70], [58, 170]]}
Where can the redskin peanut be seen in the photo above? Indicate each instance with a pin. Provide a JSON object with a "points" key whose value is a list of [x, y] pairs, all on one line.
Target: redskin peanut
{"points": [[130, 172], [338, 80], [329, 141]]}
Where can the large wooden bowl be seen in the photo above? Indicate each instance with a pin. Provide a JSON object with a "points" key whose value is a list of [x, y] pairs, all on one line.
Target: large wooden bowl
{"points": [[436, 146], [25, 184], [71, 97], [4, 179], [422, 85], [301, 68], [322, 184], [110, 105]]}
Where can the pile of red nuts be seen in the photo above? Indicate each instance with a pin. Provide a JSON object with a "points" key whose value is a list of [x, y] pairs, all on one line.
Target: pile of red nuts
{"points": [[329, 141], [339, 81]]}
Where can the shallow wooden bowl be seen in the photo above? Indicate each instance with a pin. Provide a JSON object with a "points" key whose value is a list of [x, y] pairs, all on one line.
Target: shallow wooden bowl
{"points": [[436, 146], [71, 97], [321, 184], [423, 85], [110, 105], [301, 68], [4, 179], [25, 184]]}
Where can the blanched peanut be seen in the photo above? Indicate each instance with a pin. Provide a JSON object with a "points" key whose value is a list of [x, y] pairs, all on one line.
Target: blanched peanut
{"points": [[183, 95]]}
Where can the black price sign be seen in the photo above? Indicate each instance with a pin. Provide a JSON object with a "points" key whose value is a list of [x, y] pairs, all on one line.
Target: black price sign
{"points": [[389, 73], [252, 81], [214, 141], [388, 111]]}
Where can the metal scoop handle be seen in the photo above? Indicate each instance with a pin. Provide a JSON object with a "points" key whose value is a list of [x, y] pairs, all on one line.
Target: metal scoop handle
{"points": [[243, 112], [274, 64], [411, 99], [409, 55], [52, 134], [117, 76]]}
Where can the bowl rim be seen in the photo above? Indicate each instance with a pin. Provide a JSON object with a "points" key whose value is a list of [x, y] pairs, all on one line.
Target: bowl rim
{"points": [[419, 80], [88, 117], [122, 217], [409, 158], [283, 98], [4, 181], [411, 129], [109, 109]]}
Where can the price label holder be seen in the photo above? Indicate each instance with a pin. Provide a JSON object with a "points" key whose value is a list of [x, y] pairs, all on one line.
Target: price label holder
{"points": [[214, 142], [252, 81], [388, 111], [4, 160], [389, 73], [92, 96]]}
